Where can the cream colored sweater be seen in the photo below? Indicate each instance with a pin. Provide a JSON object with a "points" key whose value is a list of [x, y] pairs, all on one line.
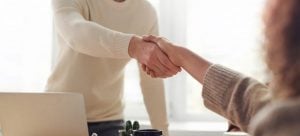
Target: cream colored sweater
{"points": [[93, 37]]}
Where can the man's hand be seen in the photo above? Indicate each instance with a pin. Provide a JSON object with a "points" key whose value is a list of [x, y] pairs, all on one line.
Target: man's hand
{"points": [[167, 47], [152, 58]]}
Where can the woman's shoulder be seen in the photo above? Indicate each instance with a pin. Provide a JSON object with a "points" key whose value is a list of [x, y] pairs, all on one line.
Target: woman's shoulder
{"points": [[278, 119]]}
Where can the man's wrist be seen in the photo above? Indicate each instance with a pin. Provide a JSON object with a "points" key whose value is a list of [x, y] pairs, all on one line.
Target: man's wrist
{"points": [[133, 46]]}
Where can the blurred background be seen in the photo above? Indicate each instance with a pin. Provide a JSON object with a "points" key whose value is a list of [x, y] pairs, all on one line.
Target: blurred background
{"points": [[226, 32]]}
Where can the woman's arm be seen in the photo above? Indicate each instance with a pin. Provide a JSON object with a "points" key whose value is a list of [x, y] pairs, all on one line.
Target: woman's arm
{"points": [[226, 92]]}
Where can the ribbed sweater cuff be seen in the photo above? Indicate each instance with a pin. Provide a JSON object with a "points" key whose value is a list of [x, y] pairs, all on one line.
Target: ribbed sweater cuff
{"points": [[217, 87], [121, 44]]}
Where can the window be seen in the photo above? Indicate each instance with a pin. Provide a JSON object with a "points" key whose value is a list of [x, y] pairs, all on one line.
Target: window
{"points": [[25, 44], [228, 33]]}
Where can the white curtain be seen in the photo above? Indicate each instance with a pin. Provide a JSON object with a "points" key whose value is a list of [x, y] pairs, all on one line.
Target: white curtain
{"points": [[225, 32], [172, 21]]}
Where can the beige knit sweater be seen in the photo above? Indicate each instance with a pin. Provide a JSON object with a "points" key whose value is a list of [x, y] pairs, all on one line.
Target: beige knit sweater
{"points": [[93, 37], [248, 104]]}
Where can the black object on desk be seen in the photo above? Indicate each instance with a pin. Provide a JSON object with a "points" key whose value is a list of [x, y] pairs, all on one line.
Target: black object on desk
{"points": [[147, 132], [133, 130]]}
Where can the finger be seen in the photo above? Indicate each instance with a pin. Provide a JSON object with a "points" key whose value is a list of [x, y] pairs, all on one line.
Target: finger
{"points": [[157, 67], [152, 74], [153, 66], [148, 71], [156, 72], [157, 75], [162, 70], [143, 67], [168, 63], [172, 68], [162, 75]]}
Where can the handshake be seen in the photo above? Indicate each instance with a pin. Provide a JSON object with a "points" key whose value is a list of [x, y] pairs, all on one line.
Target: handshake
{"points": [[157, 55]]}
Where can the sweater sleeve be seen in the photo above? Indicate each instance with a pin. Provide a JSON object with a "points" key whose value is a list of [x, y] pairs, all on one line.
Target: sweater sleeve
{"points": [[279, 118], [233, 95], [87, 37], [154, 96]]}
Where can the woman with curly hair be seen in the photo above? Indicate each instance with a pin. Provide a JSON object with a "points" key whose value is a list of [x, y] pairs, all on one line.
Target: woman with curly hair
{"points": [[253, 107]]}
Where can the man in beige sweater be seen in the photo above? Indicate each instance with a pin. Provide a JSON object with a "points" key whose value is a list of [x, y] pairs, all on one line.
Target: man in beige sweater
{"points": [[97, 38]]}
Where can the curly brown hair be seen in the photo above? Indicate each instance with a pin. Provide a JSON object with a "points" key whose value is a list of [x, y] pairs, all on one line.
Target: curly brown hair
{"points": [[283, 47]]}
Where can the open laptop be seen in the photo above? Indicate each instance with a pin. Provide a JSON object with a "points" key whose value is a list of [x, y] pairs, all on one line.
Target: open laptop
{"points": [[42, 114]]}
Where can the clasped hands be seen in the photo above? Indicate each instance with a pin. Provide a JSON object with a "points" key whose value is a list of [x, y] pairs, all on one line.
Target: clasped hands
{"points": [[156, 55]]}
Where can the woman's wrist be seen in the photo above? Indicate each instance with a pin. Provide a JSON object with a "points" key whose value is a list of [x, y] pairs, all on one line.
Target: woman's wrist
{"points": [[179, 55]]}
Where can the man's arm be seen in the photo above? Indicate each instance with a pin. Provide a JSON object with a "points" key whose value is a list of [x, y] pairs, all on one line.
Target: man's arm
{"points": [[92, 39], [85, 36]]}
